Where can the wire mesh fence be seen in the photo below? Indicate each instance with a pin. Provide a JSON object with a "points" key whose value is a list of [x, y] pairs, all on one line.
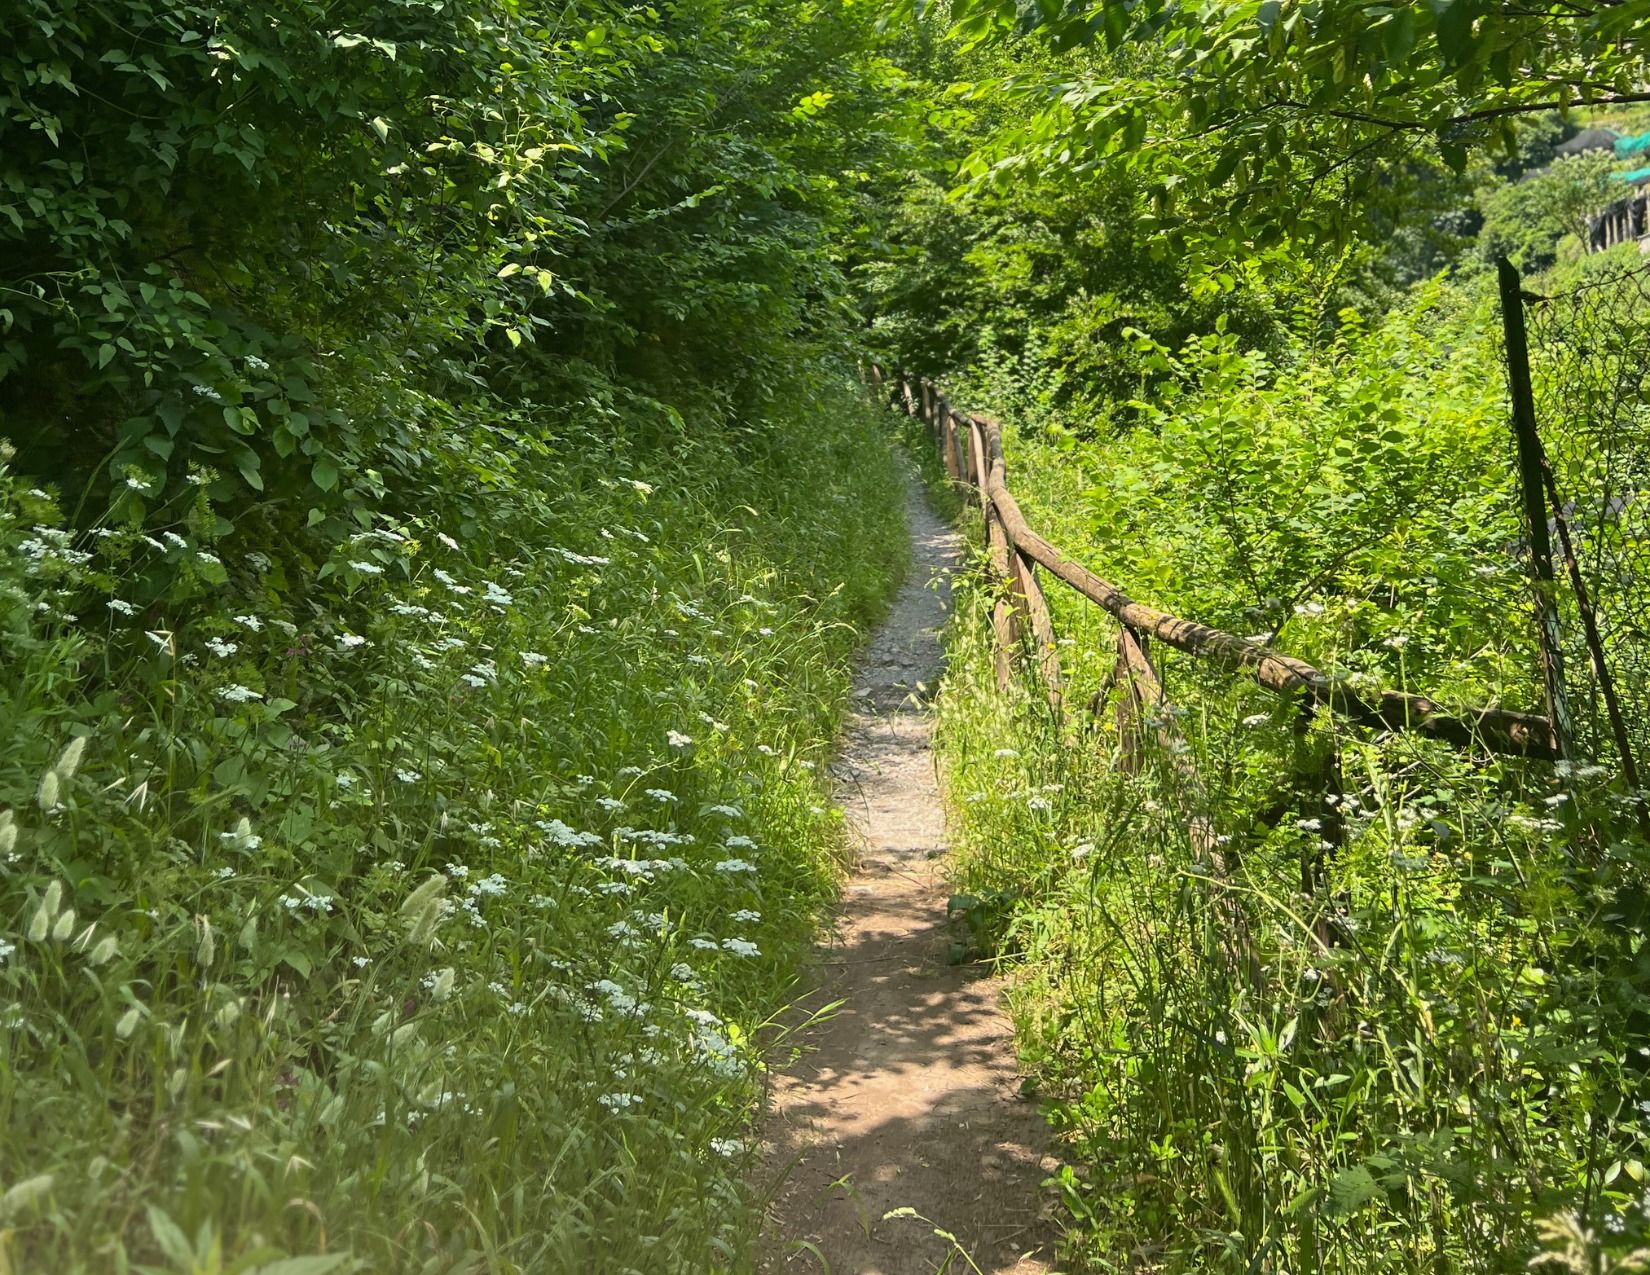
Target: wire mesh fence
{"points": [[1589, 372]]}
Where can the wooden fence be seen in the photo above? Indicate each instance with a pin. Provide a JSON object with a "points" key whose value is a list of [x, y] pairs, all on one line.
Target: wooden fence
{"points": [[971, 447]]}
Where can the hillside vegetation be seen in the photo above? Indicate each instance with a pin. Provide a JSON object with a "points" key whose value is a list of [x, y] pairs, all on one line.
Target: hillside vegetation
{"points": [[437, 514], [1302, 996], [433, 530]]}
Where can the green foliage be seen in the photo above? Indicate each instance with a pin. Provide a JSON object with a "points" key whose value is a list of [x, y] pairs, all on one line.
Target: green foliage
{"points": [[428, 923], [435, 534], [1437, 1061], [1037, 284], [1281, 118]]}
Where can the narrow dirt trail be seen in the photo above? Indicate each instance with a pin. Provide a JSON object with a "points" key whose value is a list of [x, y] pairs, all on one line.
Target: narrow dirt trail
{"points": [[908, 1096]]}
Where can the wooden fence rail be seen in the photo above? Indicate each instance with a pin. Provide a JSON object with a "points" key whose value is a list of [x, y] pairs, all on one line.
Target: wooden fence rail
{"points": [[1016, 551]]}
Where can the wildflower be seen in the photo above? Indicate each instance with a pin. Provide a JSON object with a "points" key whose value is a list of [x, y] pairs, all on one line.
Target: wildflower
{"points": [[349, 641], [617, 1102], [64, 926], [251, 622], [125, 608], [566, 837], [741, 947], [746, 916], [740, 843], [1082, 851], [368, 568], [532, 659], [8, 832], [451, 584], [238, 694], [1309, 608], [1256, 719], [1038, 804], [1397, 641], [223, 650], [1309, 825], [676, 739], [46, 796], [727, 1147], [731, 812], [733, 867], [610, 803], [6, 949], [661, 795], [306, 900], [497, 595], [681, 971], [1006, 754], [407, 775]]}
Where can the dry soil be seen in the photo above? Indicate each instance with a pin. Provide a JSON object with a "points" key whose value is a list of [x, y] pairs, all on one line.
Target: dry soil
{"points": [[907, 1096]]}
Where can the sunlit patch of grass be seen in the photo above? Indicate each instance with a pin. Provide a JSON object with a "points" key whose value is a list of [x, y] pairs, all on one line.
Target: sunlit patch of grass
{"points": [[421, 913]]}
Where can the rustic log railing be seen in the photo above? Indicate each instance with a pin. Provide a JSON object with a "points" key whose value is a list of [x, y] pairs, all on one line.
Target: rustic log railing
{"points": [[1016, 552]]}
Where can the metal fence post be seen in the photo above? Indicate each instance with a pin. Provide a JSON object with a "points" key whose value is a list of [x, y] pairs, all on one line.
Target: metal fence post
{"points": [[1533, 494]]}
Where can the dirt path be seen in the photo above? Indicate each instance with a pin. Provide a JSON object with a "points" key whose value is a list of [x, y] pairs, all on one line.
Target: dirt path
{"points": [[908, 1095]]}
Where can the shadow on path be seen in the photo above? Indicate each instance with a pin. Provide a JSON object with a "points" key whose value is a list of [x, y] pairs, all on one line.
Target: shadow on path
{"points": [[908, 1095]]}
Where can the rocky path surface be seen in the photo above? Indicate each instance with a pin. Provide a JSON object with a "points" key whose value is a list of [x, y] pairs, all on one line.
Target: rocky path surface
{"points": [[907, 1097]]}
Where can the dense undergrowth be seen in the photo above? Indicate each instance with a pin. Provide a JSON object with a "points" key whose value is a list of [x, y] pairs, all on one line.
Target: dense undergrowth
{"points": [[433, 527], [1301, 997], [428, 921], [1436, 1061]]}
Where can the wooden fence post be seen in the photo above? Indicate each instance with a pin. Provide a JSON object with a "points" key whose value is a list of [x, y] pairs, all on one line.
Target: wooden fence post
{"points": [[1005, 626]]}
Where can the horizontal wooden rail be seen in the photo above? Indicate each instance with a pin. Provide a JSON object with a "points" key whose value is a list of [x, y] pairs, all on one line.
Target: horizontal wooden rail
{"points": [[1497, 729]]}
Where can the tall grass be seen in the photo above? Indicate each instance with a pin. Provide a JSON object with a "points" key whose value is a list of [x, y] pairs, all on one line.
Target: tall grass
{"points": [[1402, 1030], [416, 910]]}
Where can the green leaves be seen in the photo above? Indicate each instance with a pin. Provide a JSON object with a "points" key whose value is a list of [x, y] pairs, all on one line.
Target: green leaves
{"points": [[1315, 98]]}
